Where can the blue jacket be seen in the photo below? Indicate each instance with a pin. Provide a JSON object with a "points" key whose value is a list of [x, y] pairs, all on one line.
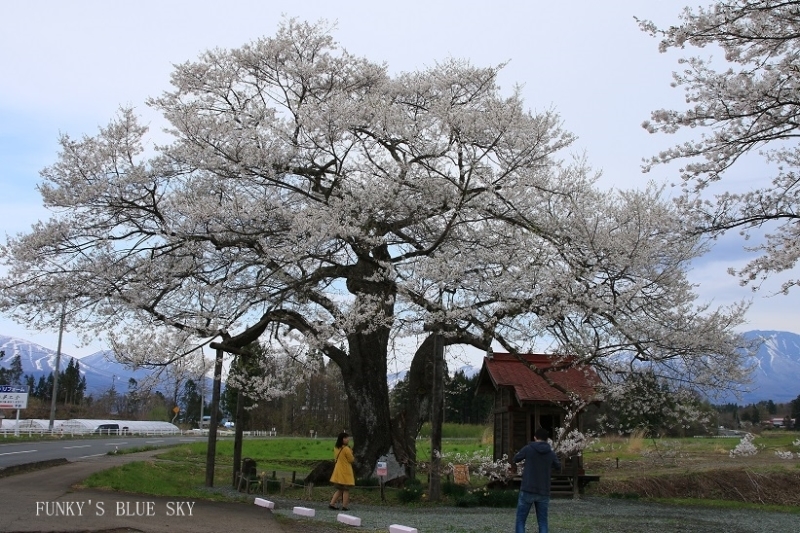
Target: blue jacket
{"points": [[540, 459]]}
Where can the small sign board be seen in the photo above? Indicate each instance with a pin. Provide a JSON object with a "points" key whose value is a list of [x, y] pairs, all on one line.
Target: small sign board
{"points": [[461, 474], [176, 409], [13, 397], [382, 469]]}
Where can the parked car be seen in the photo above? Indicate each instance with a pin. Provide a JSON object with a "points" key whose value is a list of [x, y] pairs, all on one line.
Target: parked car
{"points": [[107, 429]]}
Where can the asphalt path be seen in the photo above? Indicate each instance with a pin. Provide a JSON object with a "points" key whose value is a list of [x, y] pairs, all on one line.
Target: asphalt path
{"points": [[18, 453], [52, 500]]}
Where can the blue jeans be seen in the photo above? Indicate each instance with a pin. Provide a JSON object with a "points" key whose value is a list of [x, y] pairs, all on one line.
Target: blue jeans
{"points": [[526, 499]]}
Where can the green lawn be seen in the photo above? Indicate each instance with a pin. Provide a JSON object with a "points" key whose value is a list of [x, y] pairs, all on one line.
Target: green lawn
{"points": [[301, 454], [180, 471]]}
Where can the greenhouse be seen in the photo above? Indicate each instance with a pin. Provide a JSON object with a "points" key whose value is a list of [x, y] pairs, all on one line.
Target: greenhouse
{"points": [[31, 425], [118, 427]]}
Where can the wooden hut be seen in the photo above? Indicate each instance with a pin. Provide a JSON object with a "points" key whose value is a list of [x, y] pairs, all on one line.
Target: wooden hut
{"points": [[524, 401]]}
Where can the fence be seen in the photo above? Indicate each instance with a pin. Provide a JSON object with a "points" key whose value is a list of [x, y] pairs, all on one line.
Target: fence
{"points": [[58, 432]]}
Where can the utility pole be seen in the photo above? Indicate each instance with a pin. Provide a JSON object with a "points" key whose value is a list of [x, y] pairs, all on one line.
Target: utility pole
{"points": [[58, 365]]}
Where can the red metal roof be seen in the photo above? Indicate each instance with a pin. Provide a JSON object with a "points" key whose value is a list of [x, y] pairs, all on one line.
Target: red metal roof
{"points": [[505, 370]]}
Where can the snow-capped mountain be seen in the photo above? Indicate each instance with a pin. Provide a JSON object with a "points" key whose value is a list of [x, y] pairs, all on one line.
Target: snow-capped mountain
{"points": [[40, 361], [777, 367], [100, 369], [776, 376]]}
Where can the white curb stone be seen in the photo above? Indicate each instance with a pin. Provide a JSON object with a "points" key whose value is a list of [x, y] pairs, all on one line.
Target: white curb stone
{"points": [[303, 511], [396, 528], [261, 502], [350, 520]]}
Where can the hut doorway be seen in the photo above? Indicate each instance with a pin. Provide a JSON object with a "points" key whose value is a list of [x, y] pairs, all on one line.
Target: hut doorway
{"points": [[549, 422]]}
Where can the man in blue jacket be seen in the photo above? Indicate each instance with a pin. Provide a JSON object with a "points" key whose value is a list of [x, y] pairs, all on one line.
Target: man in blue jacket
{"points": [[539, 459]]}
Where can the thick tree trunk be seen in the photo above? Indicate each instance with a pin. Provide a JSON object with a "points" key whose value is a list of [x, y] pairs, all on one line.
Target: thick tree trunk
{"points": [[364, 375], [408, 421]]}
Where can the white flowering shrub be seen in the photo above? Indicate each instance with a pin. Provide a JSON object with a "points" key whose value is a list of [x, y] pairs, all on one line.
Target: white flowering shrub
{"points": [[645, 400], [479, 463], [499, 470], [572, 443], [745, 448]]}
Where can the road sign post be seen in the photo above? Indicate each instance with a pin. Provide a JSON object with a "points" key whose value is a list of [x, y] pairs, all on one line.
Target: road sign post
{"points": [[14, 398]]}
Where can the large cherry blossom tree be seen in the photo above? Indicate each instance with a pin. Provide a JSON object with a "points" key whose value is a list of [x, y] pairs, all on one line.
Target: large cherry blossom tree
{"points": [[744, 102], [312, 199]]}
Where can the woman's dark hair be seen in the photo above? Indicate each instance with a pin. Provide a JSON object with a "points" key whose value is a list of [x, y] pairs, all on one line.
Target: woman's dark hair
{"points": [[340, 439]]}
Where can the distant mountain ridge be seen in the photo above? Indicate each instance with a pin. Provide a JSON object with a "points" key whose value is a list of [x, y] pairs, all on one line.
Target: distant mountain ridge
{"points": [[100, 369], [776, 376], [777, 367]]}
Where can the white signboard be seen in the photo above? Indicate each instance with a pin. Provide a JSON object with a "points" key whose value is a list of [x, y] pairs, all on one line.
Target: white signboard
{"points": [[382, 470], [13, 397]]}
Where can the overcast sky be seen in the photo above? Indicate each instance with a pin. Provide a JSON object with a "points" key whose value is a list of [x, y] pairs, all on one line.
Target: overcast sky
{"points": [[68, 66]]}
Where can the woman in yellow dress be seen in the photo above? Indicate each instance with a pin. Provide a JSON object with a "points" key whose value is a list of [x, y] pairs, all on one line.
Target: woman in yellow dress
{"points": [[342, 478]]}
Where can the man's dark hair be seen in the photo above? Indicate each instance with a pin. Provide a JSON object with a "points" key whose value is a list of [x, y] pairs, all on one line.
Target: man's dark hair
{"points": [[541, 434]]}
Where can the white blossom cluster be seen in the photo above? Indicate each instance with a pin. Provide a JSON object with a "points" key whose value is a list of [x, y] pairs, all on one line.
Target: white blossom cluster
{"points": [[570, 443], [745, 448], [745, 107], [481, 464], [647, 400], [786, 455]]}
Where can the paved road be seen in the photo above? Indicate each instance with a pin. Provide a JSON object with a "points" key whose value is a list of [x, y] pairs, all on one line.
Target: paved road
{"points": [[48, 501], [76, 449]]}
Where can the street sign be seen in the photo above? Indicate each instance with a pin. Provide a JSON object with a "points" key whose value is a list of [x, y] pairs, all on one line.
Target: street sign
{"points": [[381, 470], [13, 397], [176, 409]]}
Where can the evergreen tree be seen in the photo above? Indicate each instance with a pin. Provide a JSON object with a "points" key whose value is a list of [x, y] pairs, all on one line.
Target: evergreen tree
{"points": [[771, 407], [462, 404], [67, 383], [13, 374], [130, 404], [190, 402], [795, 410], [755, 417], [41, 391]]}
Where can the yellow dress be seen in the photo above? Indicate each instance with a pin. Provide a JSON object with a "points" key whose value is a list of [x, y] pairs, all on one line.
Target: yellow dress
{"points": [[343, 469]]}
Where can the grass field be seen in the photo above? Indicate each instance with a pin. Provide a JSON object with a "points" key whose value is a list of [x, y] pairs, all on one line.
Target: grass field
{"points": [[677, 470]]}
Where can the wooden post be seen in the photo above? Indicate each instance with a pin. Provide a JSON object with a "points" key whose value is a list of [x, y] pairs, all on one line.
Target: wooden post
{"points": [[212, 429], [283, 485], [575, 471], [239, 436], [437, 418]]}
